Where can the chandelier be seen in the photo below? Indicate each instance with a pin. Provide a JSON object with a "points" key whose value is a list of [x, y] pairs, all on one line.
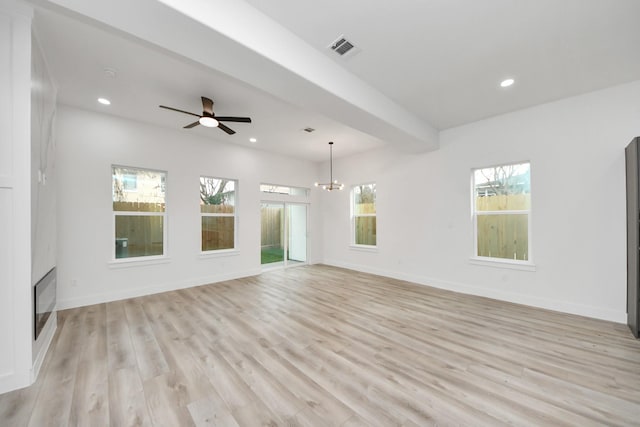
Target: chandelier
{"points": [[333, 184]]}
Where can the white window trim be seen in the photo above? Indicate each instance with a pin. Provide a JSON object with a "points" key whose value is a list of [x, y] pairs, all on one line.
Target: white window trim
{"points": [[140, 260], [527, 265], [503, 263], [353, 244], [212, 253], [217, 253], [364, 248]]}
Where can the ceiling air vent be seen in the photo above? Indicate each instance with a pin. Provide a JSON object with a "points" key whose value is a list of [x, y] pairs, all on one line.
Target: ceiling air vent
{"points": [[342, 46]]}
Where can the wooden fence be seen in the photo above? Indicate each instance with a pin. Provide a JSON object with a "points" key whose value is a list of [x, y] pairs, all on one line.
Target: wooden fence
{"points": [[138, 235], [366, 229], [218, 232], [138, 207], [221, 209], [272, 227], [503, 202], [504, 236]]}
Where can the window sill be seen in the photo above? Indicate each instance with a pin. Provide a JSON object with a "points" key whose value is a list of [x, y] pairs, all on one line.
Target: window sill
{"points": [[219, 253], [138, 262], [363, 248], [503, 263]]}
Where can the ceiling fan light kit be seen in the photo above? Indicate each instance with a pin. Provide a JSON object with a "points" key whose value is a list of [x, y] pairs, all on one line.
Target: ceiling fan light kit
{"points": [[209, 122], [208, 117], [333, 183]]}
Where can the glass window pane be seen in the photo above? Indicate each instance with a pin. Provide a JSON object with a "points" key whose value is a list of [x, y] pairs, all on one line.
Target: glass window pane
{"points": [[130, 182], [504, 236], [506, 187], [365, 229], [364, 199], [217, 195], [272, 233], [283, 189], [138, 190], [271, 254], [217, 232], [138, 236]]}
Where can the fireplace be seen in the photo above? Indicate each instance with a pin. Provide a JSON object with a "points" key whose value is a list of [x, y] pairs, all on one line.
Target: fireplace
{"points": [[44, 301]]}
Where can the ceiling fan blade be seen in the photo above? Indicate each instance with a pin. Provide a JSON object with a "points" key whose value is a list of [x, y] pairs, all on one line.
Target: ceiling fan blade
{"points": [[192, 125], [179, 111], [226, 129], [233, 119], [207, 105]]}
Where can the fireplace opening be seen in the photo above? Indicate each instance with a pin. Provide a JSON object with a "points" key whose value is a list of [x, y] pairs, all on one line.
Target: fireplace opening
{"points": [[44, 301]]}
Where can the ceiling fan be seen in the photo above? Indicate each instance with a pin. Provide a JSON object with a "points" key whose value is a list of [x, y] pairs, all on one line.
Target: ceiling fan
{"points": [[209, 119]]}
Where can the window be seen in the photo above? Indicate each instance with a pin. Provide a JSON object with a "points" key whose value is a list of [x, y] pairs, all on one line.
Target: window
{"points": [[363, 214], [283, 189], [218, 213], [139, 212], [502, 212]]}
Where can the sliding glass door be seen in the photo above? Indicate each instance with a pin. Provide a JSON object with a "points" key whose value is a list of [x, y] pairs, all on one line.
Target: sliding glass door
{"points": [[272, 232], [283, 234], [297, 233]]}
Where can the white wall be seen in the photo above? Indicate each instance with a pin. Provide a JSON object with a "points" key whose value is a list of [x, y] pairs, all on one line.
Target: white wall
{"points": [[43, 186], [43, 177], [576, 149], [16, 313], [89, 143]]}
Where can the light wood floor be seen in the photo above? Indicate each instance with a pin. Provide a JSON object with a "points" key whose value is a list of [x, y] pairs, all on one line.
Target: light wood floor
{"points": [[319, 346]]}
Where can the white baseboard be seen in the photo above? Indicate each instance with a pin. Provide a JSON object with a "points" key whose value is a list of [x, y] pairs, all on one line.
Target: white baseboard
{"points": [[14, 381], [533, 301], [46, 336], [65, 303]]}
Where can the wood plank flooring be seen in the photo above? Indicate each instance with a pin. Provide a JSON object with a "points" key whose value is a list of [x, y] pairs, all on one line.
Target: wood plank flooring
{"points": [[323, 346]]}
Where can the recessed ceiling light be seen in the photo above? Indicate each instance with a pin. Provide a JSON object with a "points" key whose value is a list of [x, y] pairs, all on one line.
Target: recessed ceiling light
{"points": [[104, 101], [507, 82], [253, 140]]}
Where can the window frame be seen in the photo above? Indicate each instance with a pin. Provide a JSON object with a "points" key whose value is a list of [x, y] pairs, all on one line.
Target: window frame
{"points": [[352, 242], [145, 259], [528, 264], [234, 215]]}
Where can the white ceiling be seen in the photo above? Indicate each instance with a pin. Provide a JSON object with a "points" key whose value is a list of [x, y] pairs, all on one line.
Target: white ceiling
{"points": [[422, 64], [443, 59], [78, 54]]}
